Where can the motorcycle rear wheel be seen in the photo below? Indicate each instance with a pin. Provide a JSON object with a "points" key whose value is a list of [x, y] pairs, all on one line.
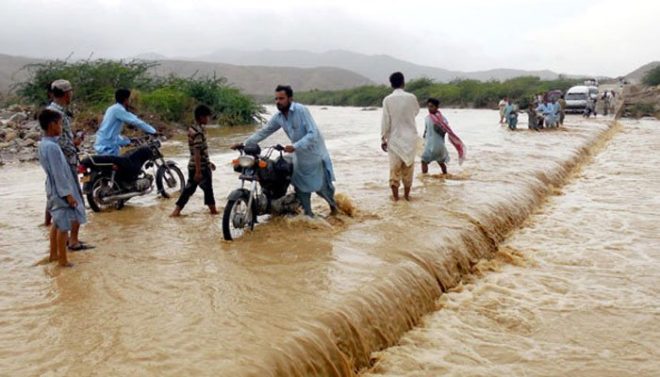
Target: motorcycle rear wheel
{"points": [[101, 187], [234, 219]]}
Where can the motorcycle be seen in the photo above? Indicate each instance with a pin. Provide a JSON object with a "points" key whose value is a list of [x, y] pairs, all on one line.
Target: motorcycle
{"points": [[113, 180], [267, 182]]}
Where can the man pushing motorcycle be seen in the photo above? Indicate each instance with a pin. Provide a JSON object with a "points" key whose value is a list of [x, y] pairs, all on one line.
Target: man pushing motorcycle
{"points": [[312, 167], [108, 138]]}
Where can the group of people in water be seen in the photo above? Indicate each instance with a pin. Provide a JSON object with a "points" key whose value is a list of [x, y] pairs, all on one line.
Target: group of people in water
{"points": [[548, 110], [544, 111], [312, 165], [58, 156]]}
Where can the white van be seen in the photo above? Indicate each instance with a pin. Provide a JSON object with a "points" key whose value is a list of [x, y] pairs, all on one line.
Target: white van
{"points": [[577, 97]]}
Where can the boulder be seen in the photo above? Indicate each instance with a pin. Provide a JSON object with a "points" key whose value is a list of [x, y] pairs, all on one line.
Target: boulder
{"points": [[33, 135], [10, 135], [14, 108], [28, 143], [18, 118], [27, 155]]}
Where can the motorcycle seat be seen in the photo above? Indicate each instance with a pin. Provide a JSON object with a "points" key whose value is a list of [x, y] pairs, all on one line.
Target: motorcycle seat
{"points": [[128, 165]]}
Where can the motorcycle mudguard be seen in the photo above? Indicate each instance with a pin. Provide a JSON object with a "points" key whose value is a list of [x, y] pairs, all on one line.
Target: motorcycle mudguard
{"points": [[87, 187], [238, 193]]}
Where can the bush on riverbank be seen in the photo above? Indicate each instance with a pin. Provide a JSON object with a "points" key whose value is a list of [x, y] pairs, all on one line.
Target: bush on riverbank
{"points": [[165, 99], [652, 77], [458, 93]]}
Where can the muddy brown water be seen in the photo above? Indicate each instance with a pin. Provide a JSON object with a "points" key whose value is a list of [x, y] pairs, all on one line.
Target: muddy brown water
{"points": [[161, 296], [574, 292]]}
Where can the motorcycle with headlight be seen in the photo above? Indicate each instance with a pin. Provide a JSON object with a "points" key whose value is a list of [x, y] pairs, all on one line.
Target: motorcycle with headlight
{"points": [[264, 189]]}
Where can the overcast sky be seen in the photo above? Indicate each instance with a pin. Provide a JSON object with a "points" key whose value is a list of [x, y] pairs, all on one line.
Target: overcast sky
{"points": [[609, 37]]}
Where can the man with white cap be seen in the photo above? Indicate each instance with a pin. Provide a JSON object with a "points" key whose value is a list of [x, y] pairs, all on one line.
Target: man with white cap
{"points": [[62, 92]]}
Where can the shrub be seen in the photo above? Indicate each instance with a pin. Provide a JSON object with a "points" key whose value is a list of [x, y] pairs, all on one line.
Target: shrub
{"points": [[169, 103], [652, 77], [170, 99], [458, 93]]}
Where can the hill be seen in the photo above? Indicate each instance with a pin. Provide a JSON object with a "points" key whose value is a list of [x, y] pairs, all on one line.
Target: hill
{"points": [[10, 70], [375, 67], [253, 80], [636, 76]]}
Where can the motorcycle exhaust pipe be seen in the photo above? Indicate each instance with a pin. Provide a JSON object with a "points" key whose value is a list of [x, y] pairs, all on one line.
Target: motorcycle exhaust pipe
{"points": [[129, 195]]}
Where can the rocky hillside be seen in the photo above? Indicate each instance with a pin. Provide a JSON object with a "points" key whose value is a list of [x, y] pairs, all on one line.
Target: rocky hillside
{"points": [[637, 75], [640, 101], [19, 134]]}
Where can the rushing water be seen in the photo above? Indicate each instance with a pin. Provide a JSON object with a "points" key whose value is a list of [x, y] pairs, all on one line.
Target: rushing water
{"points": [[582, 297], [161, 296]]}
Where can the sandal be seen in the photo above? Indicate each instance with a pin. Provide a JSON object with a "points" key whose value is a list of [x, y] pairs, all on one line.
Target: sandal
{"points": [[80, 246]]}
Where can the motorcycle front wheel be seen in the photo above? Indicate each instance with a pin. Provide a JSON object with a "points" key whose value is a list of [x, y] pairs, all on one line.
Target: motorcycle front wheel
{"points": [[235, 219], [169, 180]]}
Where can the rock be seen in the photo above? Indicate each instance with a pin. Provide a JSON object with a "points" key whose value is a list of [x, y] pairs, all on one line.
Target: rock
{"points": [[14, 108], [26, 125], [32, 125], [33, 135], [18, 118], [10, 135], [11, 124], [29, 155], [28, 143]]}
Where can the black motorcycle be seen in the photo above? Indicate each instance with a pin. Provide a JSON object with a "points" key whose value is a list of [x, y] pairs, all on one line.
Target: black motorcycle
{"points": [[268, 183], [113, 180]]}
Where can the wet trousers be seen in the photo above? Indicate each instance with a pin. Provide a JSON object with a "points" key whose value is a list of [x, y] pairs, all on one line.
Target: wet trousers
{"points": [[205, 184]]}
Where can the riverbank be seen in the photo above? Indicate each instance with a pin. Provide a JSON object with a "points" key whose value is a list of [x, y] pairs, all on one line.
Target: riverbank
{"points": [[20, 132]]}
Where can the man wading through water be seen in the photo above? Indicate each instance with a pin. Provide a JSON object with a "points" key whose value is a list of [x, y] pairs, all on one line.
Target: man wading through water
{"points": [[399, 135], [312, 167]]}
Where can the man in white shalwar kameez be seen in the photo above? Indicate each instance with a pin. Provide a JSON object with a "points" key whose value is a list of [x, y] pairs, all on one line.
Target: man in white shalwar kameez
{"points": [[399, 135]]}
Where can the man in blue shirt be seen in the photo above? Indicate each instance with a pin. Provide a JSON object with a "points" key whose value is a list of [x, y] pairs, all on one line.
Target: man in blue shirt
{"points": [[108, 137], [312, 167]]}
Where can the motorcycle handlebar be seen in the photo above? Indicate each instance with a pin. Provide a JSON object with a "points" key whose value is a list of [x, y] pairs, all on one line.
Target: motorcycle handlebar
{"points": [[240, 147]]}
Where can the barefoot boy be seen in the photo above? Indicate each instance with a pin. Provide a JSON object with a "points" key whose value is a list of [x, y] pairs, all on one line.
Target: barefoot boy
{"points": [[64, 201], [199, 167]]}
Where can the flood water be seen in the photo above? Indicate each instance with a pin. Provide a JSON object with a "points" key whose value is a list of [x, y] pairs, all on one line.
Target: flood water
{"points": [[169, 297], [575, 291]]}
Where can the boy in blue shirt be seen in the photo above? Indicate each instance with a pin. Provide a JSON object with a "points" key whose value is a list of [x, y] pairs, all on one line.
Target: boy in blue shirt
{"points": [[65, 204]]}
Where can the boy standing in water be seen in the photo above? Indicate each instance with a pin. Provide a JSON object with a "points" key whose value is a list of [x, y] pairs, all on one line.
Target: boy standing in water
{"points": [[65, 204], [199, 167]]}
